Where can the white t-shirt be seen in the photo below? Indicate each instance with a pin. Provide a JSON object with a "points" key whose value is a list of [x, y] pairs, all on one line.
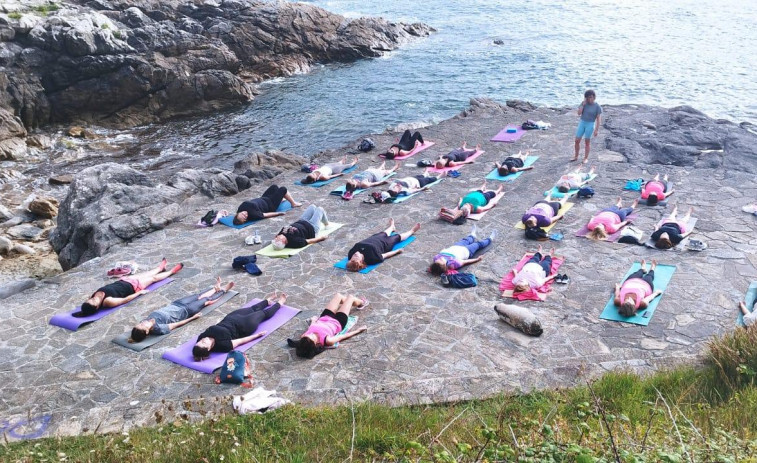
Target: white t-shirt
{"points": [[532, 273], [460, 253]]}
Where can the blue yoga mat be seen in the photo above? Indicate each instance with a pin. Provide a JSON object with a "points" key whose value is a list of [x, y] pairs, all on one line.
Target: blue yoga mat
{"points": [[229, 219], [662, 276], [556, 194], [403, 198], [340, 191], [493, 175], [325, 182], [751, 296], [342, 264]]}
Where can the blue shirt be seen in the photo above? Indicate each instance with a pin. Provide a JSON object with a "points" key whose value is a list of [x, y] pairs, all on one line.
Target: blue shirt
{"points": [[591, 112], [166, 315]]}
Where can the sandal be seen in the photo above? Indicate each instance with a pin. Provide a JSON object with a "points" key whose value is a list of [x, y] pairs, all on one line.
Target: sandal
{"points": [[364, 303]]}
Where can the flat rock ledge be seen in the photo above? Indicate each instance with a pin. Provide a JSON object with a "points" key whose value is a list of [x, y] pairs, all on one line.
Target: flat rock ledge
{"points": [[425, 343]]}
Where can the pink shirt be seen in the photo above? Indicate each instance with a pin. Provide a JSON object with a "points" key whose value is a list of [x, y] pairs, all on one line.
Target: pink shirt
{"points": [[637, 287], [609, 219], [653, 186], [533, 274], [323, 327]]}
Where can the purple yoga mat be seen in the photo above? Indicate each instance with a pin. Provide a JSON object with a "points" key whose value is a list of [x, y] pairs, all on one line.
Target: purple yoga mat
{"points": [[69, 322], [509, 137], [183, 354], [611, 238]]}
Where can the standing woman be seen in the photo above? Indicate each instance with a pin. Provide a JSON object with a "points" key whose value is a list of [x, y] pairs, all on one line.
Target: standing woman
{"points": [[237, 328], [590, 113]]}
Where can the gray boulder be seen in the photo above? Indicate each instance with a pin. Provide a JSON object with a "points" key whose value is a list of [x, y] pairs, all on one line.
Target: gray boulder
{"points": [[520, 318], [12, 137]]}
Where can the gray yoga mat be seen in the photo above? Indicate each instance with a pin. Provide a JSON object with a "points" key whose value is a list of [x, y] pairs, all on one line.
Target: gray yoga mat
{"points": [[123, 339], [680, 246]]}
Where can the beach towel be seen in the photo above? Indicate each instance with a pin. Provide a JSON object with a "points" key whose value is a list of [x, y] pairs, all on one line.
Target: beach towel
{"points": [[473, 156], [69, 322], [480, 215], [182, 355], [572, 192], [418, 149], [680, 246], [285, 253], [229, 219], [662, 276], [320, 183], [751, 296], [342, 264], [340, 191], [506, 137], [403, 198], [565, 208], [493, 175], [533, 294], [123, 339], [584, 231]]}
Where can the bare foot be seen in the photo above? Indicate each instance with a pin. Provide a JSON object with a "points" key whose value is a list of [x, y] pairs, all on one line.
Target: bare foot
{"points": [[282, 298], [162, 265], [635, 203], [416, 227], [229, 285], [295, 204], [643, 264], [391, 223], [176, 268]]}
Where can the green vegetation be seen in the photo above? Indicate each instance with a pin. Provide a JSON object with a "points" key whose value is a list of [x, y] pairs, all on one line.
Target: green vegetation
{"points": [[14, 15], [682, 415], [47, 8]]}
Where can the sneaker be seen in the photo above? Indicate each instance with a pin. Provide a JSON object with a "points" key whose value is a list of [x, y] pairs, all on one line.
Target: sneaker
{"points": [[493, 235], [453, 174], [250, 240], [750, 208], [347, 195], [696, 245], [474, 231]]}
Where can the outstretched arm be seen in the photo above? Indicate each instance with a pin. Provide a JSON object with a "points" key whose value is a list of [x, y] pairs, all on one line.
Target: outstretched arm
{"points": [[238, 342], [116, 301], [651, 297], [471, 261], [331, 340], [521, 169], [173, 326], [389, 254], [317, 239], [268, 215]]}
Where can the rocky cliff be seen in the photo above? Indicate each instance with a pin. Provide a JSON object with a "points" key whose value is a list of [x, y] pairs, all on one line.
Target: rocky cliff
{"points": [[127, 62]]}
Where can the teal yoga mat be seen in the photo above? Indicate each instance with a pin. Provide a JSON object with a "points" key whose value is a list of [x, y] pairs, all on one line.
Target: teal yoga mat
{"points": [[751, 296], [340, 191], [325, 182], [557, 194], [342, 264], [402, 199], [493, 175], [662, 276], [229, 219]]}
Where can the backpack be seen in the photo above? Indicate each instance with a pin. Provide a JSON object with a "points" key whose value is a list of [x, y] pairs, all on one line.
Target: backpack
{"points": [[236, 369], [529, 125], [366, 145], [585, 192], [459, 280], [209, 219]]}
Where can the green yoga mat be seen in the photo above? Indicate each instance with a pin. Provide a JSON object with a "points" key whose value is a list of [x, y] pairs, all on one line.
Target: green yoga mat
{"points": [[555, 193], [662, 276], [285, 253], [751, 296]]}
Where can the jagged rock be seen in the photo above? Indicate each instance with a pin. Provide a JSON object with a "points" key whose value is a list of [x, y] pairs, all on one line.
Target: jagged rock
{"points": [[26, 232], [12, 134], [64, 179], [81, 132], [5, 213], [499, 42], [23, 249], [15, 287], [5, 245], [39, 141], [44, 207], [152, 60]]}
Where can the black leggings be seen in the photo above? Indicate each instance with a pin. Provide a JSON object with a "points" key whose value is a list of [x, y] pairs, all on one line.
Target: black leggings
{"points": [[407, 142], [423, 181], [246, 320], [193, 304], [489, 195], [274, 195], [646, 276], [555, 205], [546, 262]]}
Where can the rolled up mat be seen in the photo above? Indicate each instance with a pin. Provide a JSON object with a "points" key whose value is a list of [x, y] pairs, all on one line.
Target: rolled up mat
{"points": [[751, 296], [494, 175], [584, 231], [416, 150], [565, 208], [519, 318], [447, 169], [678, 247], [70, 322], [285, 253], [511, 137], [662, 276], [403, 198], [342, 264], [340, 191], [229, 219], [555, 193], [320, 183], [182, 355], [534, 294], [123, 339]]}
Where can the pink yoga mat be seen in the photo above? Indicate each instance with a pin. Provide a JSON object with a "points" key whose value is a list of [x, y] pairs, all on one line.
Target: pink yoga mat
{"points": [[509, 137], [584, 231], [538, 294], [447, 169], [183, 354], [425, 145]]}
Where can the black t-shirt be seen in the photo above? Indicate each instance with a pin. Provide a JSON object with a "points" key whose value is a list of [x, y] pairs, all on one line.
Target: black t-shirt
{"points": [[255, 208], [298, 233], [372, 248], [458, 155], [222, 335], [513, 162], [673, 231], [118, 289]]}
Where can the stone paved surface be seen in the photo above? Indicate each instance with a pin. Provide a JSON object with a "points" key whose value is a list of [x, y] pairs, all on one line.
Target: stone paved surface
{"points": [[425, 343]]}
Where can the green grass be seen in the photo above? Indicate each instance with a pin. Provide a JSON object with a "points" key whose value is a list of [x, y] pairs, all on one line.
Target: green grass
{"points": [[683, 415], [14, 15]]}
